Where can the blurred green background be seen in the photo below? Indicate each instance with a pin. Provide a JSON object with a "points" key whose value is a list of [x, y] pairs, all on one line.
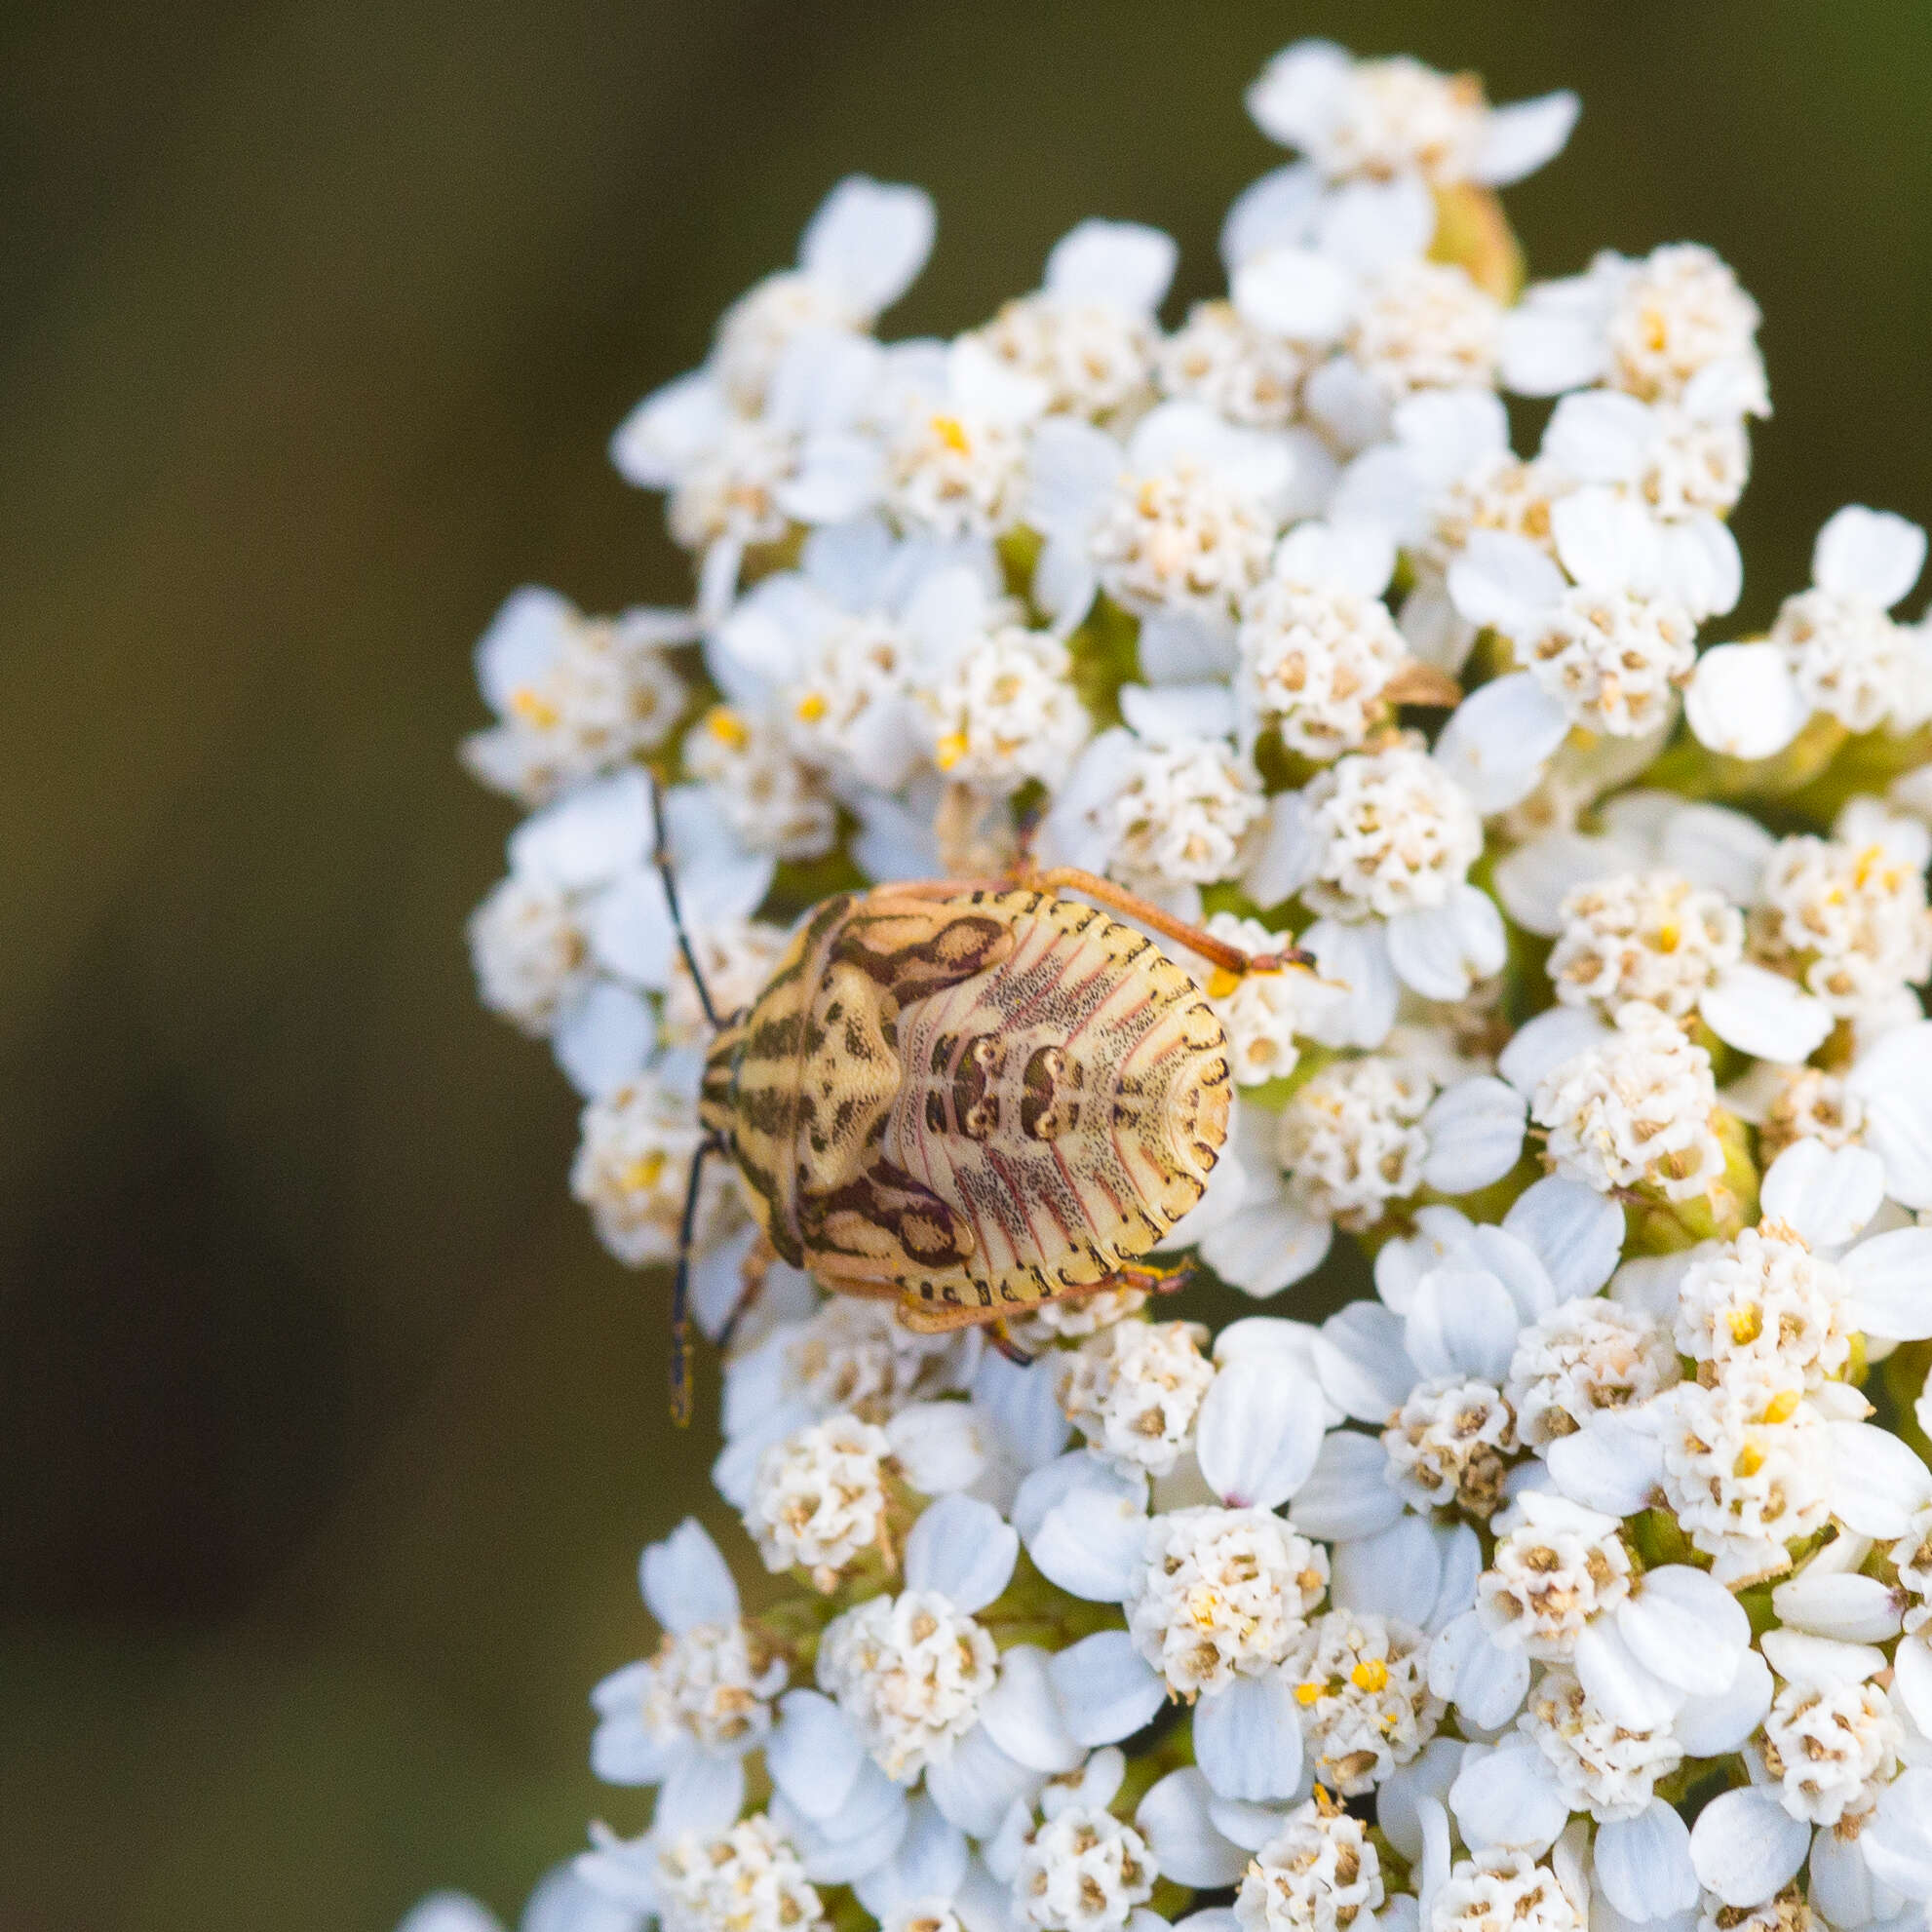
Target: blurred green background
{"points": [[328, 1437]]}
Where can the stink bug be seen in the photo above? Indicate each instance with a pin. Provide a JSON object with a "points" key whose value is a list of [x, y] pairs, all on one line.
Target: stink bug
{"points": [[969, 1097]]}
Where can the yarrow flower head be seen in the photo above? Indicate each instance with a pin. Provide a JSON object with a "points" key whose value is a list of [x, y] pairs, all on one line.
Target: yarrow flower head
{"points": [[1552, 967]]}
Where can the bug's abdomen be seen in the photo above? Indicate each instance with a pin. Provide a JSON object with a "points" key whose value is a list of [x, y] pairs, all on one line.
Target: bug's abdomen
{"points": [[1069, 1102]]}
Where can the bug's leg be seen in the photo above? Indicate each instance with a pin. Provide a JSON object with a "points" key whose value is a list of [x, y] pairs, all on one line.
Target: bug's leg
{"points": [[1001, 1338], [681, 1293], [753, 1273], [1217, 952], [661, 859], [1154, 1278]]}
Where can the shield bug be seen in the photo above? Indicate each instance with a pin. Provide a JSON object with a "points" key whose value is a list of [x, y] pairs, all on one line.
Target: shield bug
{"points": [[969, 1097]]}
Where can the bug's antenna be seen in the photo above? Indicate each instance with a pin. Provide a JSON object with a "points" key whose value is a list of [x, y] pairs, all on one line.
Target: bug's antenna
{"points": [[661, 858], [681, 1293]]}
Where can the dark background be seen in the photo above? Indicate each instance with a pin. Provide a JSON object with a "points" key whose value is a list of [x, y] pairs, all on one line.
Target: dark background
{"points": [[328, 1437]]}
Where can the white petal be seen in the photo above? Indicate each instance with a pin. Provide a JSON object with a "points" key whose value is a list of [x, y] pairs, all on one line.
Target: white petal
{"points": [[1174, 713], [1462, 1321], [1643, 1864], [1022, 1406], [1300, 89], [1859, 1610], [1274, 212], [1064, 584], [1912, 1679], [837, 477], [1344, 556], [1461, 1566], [1118, 263], [1518, 139], [1174, 1819], [1843, 1889], [1021, 1715], [1046, 1487], [1743, 702], [1685, 1628], [1362, 1364], [1105, 1687], [1878, 1479], [1248, 1739], [813, 1754], [1266, 1248], [1433, 629], [1347, 1496], [1894, 1085], [1765, 1015], [1295, 293], [1826, 1195], [1428, 948], [1702, 568], [1897, 1838], [1745, 1846], [1498, 740], [1475, 1132], [1428, 1775], [685, 1581], [605, 1039], [1288, 852], [1517, 1266], [1572, 1230], [704, 1794], [1533, 880], [1258, 1433], [1545, 353], [450, 1911], [669, 430], [1712, 846], [563, 1901], [930, 1863], [1507, 1797], [1090, 1545], [1487, 1680], [1601, 436], [1500, 582], [1711, 1726], [1891, 1283], [622, 1751], [1614, 1465], [1396, 1572], [1605, 541], [1376, 226], [941, 1447], [869, 240], [864, 1832], [1072, 466], [521, 643], [1357, 957], [962, 1549], [1625, 1690], [976, 1784], [1869, 554], [593, 833], [1541, 1045]]}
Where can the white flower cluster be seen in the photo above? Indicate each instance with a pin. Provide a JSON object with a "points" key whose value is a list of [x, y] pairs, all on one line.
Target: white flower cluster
{"points": [[1582, 1575]]}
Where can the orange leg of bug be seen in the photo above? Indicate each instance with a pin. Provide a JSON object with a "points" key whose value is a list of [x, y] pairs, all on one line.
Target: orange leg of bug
{"points": [[1154, 1278], [1217, 952]]}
